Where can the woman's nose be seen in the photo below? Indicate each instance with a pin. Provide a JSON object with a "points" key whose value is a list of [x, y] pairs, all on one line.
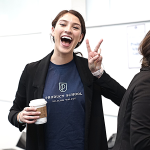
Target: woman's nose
{"points": [[68, 29]]}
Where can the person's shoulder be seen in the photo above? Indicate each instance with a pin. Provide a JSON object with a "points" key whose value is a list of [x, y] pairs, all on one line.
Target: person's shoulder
{"points": [[81, 61], [141, 78], [143, 74], [34, 65], [81, 58]]}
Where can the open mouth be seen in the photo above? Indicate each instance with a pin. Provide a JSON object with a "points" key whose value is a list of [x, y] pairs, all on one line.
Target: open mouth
{"points": [[66, 41]]}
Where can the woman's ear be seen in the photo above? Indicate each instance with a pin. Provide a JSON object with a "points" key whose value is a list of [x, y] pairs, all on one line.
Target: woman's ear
{"points": [[52, 30], [81, 37]]}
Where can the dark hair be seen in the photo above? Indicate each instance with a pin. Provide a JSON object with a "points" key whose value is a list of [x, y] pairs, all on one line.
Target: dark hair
{"points": [[78, 15], [144, 49]]}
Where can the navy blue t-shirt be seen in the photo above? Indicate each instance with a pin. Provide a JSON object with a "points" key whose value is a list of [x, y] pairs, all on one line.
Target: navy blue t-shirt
{"points": [[64, 94]]}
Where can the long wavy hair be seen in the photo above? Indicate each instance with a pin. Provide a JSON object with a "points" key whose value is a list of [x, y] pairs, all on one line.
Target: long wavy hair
{"points": [[144, 49]]}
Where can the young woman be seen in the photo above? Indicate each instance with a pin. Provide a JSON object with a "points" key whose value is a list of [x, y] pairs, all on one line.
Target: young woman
{"points": [[134, 114], [72, 87]]}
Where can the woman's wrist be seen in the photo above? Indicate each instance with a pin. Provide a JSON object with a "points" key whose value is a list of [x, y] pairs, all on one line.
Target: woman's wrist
{"points": [[98, 73], [18, 118]]}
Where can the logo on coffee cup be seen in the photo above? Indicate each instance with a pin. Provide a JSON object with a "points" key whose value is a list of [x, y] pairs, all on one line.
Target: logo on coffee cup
{"points": [[62, 87]]}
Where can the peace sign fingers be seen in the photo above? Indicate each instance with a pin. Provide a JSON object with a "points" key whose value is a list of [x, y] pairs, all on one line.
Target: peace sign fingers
{"points": [[98, 45], [88, 46], [94, 57]]}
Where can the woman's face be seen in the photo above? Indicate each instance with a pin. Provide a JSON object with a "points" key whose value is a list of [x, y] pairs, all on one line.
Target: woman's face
{"points": [[67, 33]]}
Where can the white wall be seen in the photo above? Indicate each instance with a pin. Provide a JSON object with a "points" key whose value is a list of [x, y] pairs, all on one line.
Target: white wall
{"points": [[25, 37], [102, 12], [9, 134]]}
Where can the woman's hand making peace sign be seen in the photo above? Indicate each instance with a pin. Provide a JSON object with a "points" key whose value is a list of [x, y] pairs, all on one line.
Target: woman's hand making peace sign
{"points": [[94, 57]]}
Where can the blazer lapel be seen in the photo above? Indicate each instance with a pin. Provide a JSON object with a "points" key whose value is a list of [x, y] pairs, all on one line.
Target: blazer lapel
{"points": [[40, 76], [38, 84], [87, 80]]}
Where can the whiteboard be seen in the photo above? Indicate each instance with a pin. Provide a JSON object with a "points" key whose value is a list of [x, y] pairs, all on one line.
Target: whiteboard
{"points": [[134, 35]]}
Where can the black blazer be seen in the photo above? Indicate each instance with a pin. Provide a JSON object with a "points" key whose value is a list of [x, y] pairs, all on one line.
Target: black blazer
{"points": [[31, 86], [134, 115]]}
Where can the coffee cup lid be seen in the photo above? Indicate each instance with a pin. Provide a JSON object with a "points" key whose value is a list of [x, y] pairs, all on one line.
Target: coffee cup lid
{"points": [[37, 102]]}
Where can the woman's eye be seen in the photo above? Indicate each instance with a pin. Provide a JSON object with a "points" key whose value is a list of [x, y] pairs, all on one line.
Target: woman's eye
{"points": [[75, 27], [62, 24]]}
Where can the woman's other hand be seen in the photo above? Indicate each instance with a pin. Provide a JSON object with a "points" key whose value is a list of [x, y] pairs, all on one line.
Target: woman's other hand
{"points": [[94, 57]]}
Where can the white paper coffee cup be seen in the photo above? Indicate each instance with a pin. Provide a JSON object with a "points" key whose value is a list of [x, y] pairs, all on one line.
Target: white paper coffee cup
{"points": [[40, 104]]}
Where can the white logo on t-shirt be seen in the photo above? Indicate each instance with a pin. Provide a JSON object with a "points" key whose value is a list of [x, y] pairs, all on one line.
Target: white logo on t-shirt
{"points": [[62, 87]]}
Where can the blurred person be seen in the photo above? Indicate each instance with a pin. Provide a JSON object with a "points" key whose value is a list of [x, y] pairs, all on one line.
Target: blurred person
{"points": [[133, 131], [72, 86]]}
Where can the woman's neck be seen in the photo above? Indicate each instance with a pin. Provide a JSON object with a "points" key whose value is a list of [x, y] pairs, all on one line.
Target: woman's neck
{"points": [[60, 59]]}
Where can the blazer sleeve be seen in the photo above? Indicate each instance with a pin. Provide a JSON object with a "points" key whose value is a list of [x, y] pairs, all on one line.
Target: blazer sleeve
{"points": [[110, 88], [20, 102], [140, 116]]}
